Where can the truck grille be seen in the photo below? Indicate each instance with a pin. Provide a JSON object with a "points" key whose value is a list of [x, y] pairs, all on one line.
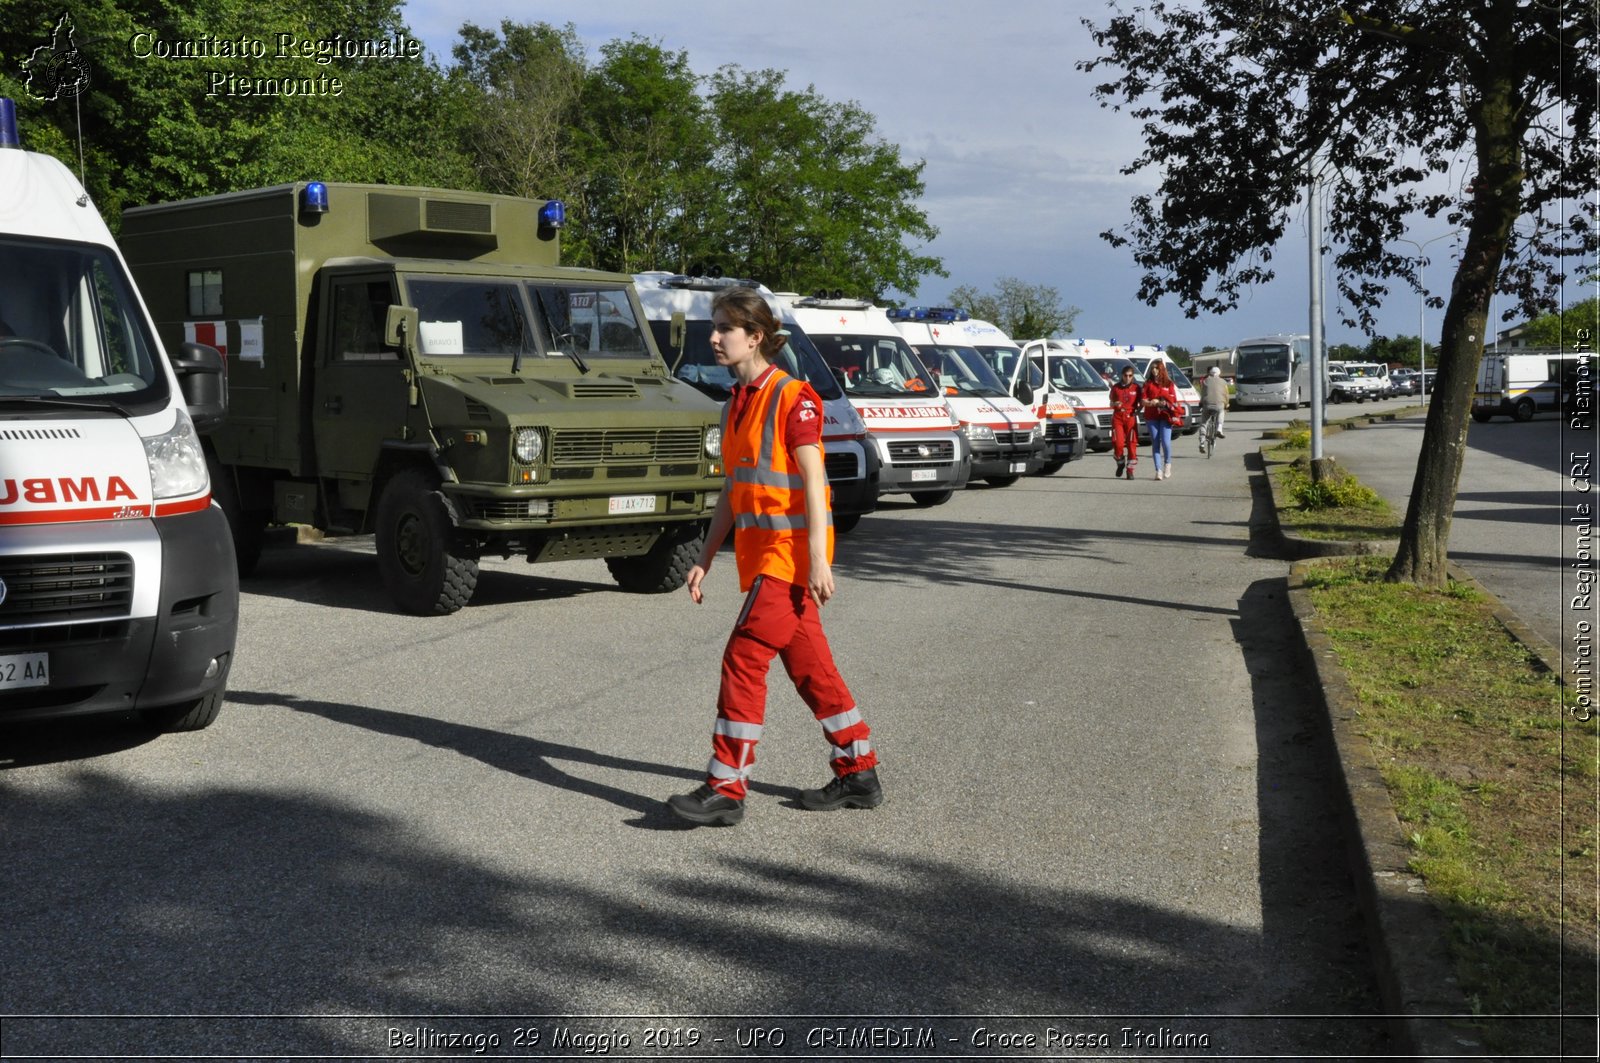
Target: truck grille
{"points": [[624, 446], [842, 466], [58, 587], [1067, 430], [1013, 439], [910, 453]]}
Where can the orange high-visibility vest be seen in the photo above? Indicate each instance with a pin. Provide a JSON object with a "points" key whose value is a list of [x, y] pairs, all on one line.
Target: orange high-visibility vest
{"points": [[765, 489]]}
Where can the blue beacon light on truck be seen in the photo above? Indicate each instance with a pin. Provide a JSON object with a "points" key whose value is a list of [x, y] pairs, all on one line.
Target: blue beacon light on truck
{"points": [[314, 198], [8, 124]]}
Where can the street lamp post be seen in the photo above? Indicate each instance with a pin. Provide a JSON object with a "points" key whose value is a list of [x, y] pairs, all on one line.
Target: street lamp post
{"points": [[1422, 310]]}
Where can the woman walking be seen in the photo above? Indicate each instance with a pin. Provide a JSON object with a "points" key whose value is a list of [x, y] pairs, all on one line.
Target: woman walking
{"points": [[1160, 399], [776, 504]]}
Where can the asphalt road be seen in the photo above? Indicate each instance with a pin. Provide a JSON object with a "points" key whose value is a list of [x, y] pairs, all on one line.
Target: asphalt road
{"points": [[1109, 811]]}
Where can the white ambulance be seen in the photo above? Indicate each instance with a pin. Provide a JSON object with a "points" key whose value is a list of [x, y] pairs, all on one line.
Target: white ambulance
{"points": [[924, 454], [118, 586], [1063, 434], [678, 308], [1062, 365], [1006, 437], [1142, 355]]}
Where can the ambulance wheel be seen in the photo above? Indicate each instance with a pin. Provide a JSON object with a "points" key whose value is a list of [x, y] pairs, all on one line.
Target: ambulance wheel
{"points": [[247, 527], [425, 574], [1523, 410], [929, 499], [845, 522], [1001, 481], [1050, 468], [665, 566], [190, 716]]}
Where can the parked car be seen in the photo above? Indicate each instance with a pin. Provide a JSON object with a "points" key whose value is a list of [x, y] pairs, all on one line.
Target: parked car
{"points": [[1340, 389], [1403, 381]]}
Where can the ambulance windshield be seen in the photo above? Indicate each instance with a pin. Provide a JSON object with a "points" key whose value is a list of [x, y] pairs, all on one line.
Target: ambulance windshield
{"points": [[961, 371], [696, 365], [874, 367], [71, 328]]}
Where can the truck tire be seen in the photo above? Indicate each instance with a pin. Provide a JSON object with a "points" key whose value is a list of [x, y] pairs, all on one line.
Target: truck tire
{"points": [[425, 574], [844, 523], [248, 528], [1050, 468], [1481, 416], [190, 716], [1001, 481], [929, 499], [665, 566], [1523, 410]]}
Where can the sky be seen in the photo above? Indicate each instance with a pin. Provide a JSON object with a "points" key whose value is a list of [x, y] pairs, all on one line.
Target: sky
{"points": [[1023, 166]]}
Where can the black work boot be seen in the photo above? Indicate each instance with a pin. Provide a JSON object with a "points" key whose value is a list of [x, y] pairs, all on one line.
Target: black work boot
{"points": [[857, 790], [707, 807]]}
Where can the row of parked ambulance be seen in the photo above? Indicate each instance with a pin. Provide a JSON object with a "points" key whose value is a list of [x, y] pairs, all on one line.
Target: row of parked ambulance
{"points": [[918, 401]]}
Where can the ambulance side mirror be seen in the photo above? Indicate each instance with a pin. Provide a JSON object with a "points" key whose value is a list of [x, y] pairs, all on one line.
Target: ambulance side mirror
{"points": [[202, 377], [1023, 393]]}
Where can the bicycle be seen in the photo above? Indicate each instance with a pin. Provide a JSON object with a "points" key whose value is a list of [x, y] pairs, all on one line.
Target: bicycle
{"points": [[1208, 430]]}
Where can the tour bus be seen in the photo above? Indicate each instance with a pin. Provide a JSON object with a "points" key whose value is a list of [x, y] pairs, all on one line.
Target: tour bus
{"points": [[1006, 437], [678, 308], [1273, 371], [922, 451]]}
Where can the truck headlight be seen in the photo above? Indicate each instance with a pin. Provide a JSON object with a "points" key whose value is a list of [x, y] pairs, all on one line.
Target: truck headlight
{"points": [[177, 464], [1075, 402], [529, 445], [1037, 433], [714, 442], [978, 433]]}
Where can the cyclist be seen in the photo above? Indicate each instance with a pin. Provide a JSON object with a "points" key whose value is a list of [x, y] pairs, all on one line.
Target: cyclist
{"points": [[1213, 404]]}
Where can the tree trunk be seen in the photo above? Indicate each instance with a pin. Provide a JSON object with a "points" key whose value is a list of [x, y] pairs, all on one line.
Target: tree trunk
{"points": [[1496, 202]]}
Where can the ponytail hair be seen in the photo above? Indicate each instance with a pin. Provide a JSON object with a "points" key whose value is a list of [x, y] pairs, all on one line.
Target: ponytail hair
{"points": [[746, 309]]}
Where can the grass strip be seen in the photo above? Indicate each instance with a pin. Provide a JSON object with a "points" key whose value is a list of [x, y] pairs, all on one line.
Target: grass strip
{"points": [[1494, 781]]}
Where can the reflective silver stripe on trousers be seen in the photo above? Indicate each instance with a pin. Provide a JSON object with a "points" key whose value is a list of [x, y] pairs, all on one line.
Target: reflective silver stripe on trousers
{"points": [[841, 720], [747, 732], [718, 770], [859, 748]]}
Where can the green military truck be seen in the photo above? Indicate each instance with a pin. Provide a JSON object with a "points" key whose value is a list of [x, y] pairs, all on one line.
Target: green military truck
{"points": [[414, 363]]}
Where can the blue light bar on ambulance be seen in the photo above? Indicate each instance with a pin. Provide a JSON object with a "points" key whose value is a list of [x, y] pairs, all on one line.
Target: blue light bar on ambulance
{"points": [[906, 313], [553, 215], [314, 198], [8, 124]]}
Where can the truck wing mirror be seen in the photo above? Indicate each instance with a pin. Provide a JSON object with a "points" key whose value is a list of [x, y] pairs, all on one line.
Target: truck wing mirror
{"points": [[202, 377], [1024, 393], [677, 332], [400, 326]]}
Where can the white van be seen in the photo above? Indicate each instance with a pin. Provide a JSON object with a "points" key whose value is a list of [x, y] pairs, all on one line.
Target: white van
{"points": [[923, 452], [118, 586], [1006, 437], [1521, 385], [1141, 356], [1063, 434], [851, 460], [1070, 374]]}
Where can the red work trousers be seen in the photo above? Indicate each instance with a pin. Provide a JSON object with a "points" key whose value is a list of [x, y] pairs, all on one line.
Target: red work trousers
{"points": [[780, 619], [1125, 438]]}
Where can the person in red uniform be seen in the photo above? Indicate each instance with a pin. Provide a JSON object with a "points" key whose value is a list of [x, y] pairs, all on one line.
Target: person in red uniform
{"points": [[1161, 413], [1125, 404], [775, 502]]}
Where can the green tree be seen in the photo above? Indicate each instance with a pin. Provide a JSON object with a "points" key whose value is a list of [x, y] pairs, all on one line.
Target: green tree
{"points": [[1242, 99], [808, 197], [1561, 329], [1401, 350], [1022, 311], [1346, 352], [155, 128]]}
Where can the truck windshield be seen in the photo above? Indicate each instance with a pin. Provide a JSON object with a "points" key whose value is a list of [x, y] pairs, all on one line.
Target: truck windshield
{"points": [[71, 326], [477, 317], [1070, 373], [961, 371], [873, 367], [698, 366], [1267, 364]]}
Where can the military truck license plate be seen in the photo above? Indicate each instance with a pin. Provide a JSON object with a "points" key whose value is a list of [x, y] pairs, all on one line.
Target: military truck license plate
{"points": [[24, 670], [1019, 466], [633, 504]]}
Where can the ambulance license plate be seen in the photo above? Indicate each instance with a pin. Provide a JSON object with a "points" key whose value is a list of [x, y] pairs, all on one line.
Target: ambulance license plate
{"points": [[633, 504], [1019, 466], [21, 670], [924, 474]]}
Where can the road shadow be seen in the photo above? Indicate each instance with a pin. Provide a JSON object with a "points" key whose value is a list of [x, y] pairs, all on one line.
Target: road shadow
{"points": [[276, 913]]}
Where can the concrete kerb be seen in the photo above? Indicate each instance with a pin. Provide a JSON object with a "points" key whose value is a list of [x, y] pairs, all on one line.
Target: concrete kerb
{"points": [[1415, 971]]}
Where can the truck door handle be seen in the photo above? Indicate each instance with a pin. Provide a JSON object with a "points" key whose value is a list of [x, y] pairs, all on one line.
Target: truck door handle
{"points": [[334, 405]]}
